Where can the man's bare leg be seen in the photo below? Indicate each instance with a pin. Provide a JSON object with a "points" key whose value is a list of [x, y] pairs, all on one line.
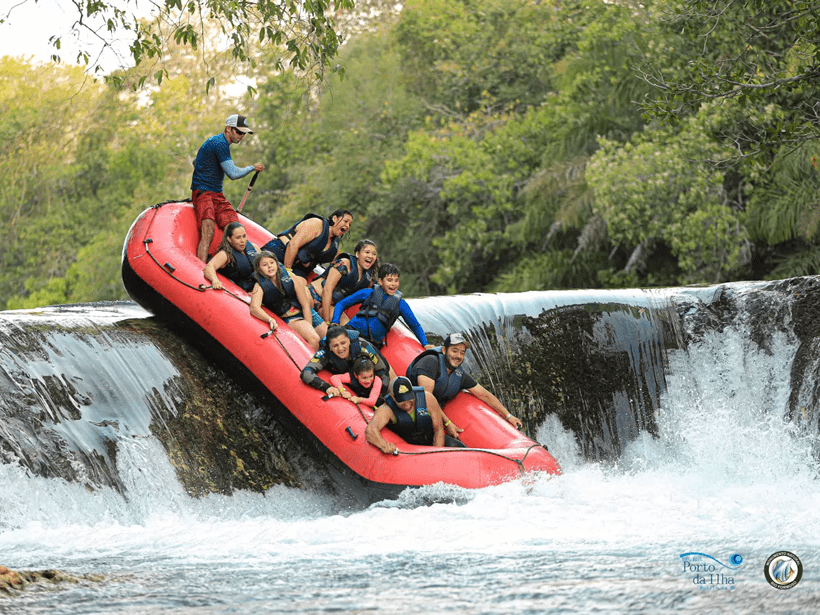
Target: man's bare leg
{"points": [[206, 235]]}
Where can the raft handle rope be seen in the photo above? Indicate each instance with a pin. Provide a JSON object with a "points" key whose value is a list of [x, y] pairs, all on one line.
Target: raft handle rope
{"points": [[276, 337], [518, 462], [170, 269]]}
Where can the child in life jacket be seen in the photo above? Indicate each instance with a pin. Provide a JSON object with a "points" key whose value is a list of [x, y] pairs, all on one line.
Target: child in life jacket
{"points": [[360, 381]]}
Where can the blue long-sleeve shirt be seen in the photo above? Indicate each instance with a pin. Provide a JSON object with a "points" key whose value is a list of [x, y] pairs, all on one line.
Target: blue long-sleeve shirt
{"points": [[377, 332], [213, 161]]}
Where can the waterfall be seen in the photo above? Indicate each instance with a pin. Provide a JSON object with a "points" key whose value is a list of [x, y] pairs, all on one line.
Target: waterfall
{"points": [[593, 374]]}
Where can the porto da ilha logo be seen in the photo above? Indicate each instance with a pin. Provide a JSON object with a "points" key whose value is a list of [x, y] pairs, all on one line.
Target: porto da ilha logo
{"points": [[708, 572], [783, 570]]}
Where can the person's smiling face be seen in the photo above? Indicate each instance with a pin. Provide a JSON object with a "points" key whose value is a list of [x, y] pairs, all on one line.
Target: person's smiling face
{"points": [[340, 346], [342, 225], [367, 256], [389, 283]]}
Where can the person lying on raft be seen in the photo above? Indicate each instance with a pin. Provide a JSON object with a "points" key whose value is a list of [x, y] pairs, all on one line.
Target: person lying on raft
{"points": [[361, 382], [439, 372], [407, 411], [381, 307], [285, 296], [312, 241], [234, 259], [344, 276], [339, 350]]}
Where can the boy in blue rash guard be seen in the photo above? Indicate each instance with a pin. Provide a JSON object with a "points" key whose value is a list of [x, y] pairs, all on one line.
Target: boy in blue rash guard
{"points": [[213, 162], [381, 307]]}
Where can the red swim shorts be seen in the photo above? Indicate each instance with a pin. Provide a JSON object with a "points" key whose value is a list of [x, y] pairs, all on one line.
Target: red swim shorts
{"points": [[213, 206]]}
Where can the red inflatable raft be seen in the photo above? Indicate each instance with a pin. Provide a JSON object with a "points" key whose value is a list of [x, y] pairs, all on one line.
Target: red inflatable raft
{"points": [[162, 273]]}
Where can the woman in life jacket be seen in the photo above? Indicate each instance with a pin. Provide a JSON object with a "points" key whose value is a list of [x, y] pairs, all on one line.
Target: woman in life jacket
{"points": [[345, 276], [285, 296], [233, 259], [312, 241], [361, 381]]}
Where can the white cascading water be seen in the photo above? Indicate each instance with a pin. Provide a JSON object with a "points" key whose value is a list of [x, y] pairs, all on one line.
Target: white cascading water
{"points": [[728, 475]]}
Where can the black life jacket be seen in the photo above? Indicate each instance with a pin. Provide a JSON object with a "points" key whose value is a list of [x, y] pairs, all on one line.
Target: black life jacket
{"points": [[240, 269], [447, 385], [338, 365], [313, 252], [278, 301], [358, 390], [416, 429], [349, 283], [381, 306]]}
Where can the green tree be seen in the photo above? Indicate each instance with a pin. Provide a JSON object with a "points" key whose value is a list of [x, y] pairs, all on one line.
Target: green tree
{"points": [[459, 55], [73, 183], [755, 53], [657, 189], [304, 31]]}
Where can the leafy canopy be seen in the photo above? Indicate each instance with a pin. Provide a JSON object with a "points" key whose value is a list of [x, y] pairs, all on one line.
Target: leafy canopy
{"points": [[303, 29]]}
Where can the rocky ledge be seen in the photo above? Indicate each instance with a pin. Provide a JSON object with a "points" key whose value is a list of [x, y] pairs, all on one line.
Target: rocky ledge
{"points": [[12, 581]]}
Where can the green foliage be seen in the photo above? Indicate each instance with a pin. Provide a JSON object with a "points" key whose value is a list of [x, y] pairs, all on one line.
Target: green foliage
{"points": [[785, 202], [552, 270], [658, 187], [303, 32], [799, 260], [753, 53], [484, 147], [73, 182], [333, 157], [459, 54]]}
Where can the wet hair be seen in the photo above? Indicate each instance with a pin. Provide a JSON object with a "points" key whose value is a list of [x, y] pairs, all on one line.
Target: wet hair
{"points": [[362, 365], [258, 273], [340, 213], [335, 331], [388, 269], [368, 242], [362, 243], [226, 235]]}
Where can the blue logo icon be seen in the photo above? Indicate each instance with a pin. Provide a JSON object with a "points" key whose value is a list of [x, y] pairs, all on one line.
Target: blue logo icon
{"points": [[708, 572]]}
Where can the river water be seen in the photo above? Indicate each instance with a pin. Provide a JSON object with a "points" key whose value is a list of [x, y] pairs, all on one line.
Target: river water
{"points": [[684, 522]]}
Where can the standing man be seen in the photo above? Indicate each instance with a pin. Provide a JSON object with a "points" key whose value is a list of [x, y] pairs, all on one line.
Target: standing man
{"points": [[213, 162], [439, 372]]}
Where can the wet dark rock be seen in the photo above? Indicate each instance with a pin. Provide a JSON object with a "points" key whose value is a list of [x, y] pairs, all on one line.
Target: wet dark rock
{"points": [[63, 414], [73, 385], [598, 368], [13, 582]]}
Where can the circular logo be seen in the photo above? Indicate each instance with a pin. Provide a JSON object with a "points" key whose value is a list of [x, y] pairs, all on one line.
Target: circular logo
{"points": [[783, 570]]}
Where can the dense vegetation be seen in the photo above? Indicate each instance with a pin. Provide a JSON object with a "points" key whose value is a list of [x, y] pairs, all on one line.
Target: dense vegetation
{"points": [[500, 145]]}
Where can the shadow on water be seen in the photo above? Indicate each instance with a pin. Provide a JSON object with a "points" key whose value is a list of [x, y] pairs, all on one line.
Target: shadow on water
{"points": [[76, 380]]}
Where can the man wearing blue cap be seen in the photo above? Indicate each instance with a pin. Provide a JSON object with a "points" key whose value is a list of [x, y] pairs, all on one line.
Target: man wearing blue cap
{"points": [[213, 162]]}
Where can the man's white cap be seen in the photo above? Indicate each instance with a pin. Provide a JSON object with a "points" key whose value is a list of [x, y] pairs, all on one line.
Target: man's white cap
{"points": [[240, 122], [455, 338]]}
